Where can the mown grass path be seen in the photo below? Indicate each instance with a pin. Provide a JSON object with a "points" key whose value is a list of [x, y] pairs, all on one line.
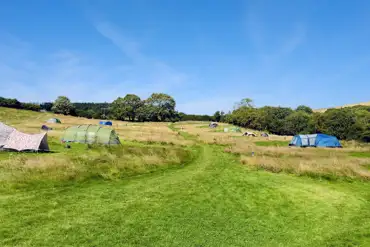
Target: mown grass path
{"points": [[213, 201]]}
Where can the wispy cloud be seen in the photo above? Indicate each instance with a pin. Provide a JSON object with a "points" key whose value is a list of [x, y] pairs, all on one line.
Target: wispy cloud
{"points": [[128, 46], [32, 76], [269, 45], [154, 73], [296, 38]]}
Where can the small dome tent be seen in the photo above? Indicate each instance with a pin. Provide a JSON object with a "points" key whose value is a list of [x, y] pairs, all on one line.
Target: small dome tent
{"points": [[235, 129], [264, 134], [213, 125], [90, 134], [315, 140], [108, 123], [54, 120], [44, 127]]}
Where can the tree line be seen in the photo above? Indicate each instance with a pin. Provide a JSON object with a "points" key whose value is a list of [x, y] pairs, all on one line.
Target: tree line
{"points": [[349, 123], [158, 107], [14, 103]]}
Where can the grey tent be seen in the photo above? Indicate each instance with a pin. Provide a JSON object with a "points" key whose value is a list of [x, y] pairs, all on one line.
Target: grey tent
{"points": [[5, 131], [249, 134], [44, 127], [25, 142], [213, 125], [264, 135], [54, 120]]}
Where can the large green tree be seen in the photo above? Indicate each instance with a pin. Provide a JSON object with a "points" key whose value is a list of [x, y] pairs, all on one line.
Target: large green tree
{"points": [[118, 109], [274, 120], [126, 107], [217, 116], [160, 107], [341, 123], [63, 105], [246, 102], [305, 109], [299, 122]]}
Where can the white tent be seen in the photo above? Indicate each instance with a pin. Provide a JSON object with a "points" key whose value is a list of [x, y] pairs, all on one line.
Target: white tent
{"points": [[25, 142], [5, 131], [12, 139], [53, 120]]}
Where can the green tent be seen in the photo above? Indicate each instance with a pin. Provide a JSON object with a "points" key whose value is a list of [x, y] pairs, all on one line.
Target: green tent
{"points": [[90, 134], [235, 129], [54, 120]]}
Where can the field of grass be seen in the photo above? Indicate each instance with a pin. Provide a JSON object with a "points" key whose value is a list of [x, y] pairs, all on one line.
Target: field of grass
{"points": [[186, 186], [272, 143], [349, 105]]}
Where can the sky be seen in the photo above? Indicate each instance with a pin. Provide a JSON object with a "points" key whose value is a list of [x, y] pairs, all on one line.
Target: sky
{"points": [[207, 54]]}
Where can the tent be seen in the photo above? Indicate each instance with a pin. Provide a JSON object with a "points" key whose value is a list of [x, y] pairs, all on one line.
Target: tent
{"points": [[12, 139], [235, 129], [44, 127], [25, 142], [54, 120], [109, 123], [264, 134], [5, 131], [213, 125], [90, 134], [249, 134], [315, 140]]}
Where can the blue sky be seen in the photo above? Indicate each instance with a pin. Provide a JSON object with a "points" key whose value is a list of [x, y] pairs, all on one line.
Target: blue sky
{"points": [[207, 54]]}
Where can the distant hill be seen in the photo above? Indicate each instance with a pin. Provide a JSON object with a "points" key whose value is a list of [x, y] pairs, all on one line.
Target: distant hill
{"points": [[350, 105]]}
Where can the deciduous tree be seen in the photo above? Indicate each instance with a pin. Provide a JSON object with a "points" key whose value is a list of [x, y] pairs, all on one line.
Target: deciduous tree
{"points": [[63, 105]]}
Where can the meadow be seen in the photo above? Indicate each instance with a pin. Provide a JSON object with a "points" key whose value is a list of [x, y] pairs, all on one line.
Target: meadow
{"points": [[181, 184]]}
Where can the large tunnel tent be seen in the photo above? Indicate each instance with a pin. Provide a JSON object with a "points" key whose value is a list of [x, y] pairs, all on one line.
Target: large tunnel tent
{"points": [[315, 140], [90, 134]]}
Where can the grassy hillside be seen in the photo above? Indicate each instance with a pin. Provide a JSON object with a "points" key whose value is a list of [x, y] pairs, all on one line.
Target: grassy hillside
{"points": [[349, 105], [181, 185]]}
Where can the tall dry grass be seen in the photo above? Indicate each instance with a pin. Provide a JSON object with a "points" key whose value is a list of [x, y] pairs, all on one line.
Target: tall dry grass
{"points": [[314, 162], [97, 162], [327, 167]]}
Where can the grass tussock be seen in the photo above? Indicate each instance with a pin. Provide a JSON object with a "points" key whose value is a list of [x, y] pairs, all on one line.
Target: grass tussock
{"points": [[272, 143], [322, 163], [330, 167], [95, 162], [352, 162]]}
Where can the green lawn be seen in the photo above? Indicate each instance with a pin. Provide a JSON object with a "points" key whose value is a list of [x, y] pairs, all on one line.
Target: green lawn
{"points": [[201, 196], [214, 201]]}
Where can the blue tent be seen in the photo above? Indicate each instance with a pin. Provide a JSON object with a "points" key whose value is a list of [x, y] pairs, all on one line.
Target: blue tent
{"points": [[105, 123], [315, 140]]}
